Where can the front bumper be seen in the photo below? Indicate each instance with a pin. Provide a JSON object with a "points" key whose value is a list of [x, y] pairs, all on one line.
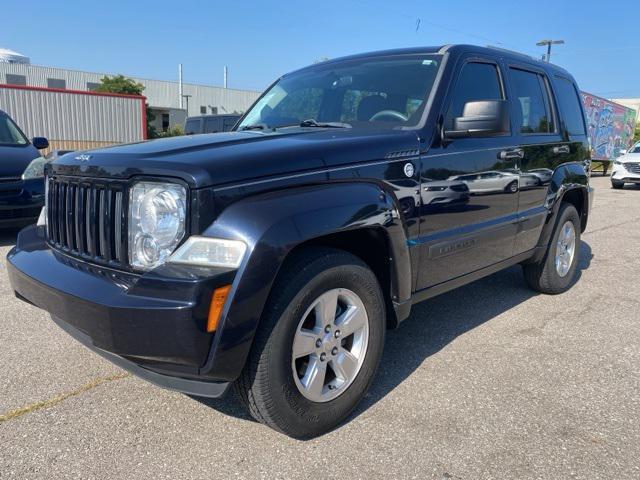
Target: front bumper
{"points": [[153, 325], [20, 202]]}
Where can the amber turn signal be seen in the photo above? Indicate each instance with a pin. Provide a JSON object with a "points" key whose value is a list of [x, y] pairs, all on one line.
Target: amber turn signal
{"points": [[217, 304]]}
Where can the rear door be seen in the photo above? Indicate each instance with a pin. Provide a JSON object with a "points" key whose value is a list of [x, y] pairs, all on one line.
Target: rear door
{"points": [[536, 125]]}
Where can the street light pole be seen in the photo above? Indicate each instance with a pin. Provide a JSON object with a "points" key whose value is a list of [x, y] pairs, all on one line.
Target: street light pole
{"points": [[548, 43]]}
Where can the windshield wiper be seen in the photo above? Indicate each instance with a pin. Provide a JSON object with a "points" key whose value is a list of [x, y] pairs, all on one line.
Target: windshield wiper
{"points": [[257, 126], [314, 123]]}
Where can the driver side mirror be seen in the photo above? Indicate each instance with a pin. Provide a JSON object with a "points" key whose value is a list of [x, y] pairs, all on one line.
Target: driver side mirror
{"points": [[40, 143], [481, 119], [622, 151]]}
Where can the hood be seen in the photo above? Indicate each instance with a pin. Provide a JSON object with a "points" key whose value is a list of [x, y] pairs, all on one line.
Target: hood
{"points": [[14, 160], [629, 157], [225, 158]]}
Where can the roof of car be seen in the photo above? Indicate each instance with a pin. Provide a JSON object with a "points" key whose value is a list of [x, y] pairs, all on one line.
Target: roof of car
{"points": [[462, 48]]}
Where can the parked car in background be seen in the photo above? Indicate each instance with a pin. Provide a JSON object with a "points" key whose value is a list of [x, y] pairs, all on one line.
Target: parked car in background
{"points": [[544, 174], [21, 175], [490, 182], [274, 257], [626, 168], [210, 124]]}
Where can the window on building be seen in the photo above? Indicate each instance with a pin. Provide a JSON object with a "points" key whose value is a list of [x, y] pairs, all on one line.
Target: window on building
{"points": [[92, 86], [203, 110], [16, 79], [56, 83], [477, 81], [532, 98], [569, 104]]}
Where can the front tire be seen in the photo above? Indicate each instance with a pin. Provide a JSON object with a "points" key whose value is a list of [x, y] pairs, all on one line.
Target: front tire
{"points": [[318, 346], [554, 274], [617, 184]]}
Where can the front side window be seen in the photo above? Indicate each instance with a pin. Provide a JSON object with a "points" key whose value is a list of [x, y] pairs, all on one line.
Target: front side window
{"points": [[385, 92], [10, 134], [477, 81], [533, 106]]}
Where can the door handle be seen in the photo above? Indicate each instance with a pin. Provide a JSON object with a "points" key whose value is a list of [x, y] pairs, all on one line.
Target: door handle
{"points": [[561, 149], [514, 154]]}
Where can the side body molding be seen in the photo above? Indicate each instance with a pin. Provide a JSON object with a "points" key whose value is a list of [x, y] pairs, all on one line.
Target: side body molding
{"points": [[274, 223]]}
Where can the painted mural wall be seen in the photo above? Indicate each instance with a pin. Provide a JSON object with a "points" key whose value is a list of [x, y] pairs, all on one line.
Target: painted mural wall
{"points": [[610, 126]]}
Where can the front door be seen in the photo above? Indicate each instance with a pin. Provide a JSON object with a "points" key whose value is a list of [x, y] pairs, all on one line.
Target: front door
{"points": [[468, 216]]}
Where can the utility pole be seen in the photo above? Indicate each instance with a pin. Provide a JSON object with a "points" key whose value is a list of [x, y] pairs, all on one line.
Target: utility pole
{"points": [[180, 84], [187, 97], [226, 75], [548, 43]]}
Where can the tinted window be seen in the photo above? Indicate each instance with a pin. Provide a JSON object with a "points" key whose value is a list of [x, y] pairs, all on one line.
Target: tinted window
{"points": [[569, 103], [9, 133], [211, 125], [477, 81], [192, 126], [532, 102], [372, 92]]}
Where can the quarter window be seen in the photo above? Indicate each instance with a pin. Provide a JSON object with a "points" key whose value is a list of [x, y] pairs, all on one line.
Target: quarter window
{"points": [[569, 104], [533, 106], [477, 81]]}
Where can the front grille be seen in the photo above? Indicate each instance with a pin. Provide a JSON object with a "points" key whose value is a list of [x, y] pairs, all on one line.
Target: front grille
{"points": [[88, 219], [632, 167]]}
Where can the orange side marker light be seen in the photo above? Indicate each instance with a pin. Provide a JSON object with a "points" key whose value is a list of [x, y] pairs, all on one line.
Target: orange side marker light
{"points": [[218, 299]]}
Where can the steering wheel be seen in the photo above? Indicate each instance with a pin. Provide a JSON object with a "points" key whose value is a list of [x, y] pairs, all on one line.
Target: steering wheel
{"points": [[389, 113]]}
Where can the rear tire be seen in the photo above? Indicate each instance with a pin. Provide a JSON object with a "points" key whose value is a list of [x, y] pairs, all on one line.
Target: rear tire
{"points": [[268, 385], [555, 273], [617, 184]]}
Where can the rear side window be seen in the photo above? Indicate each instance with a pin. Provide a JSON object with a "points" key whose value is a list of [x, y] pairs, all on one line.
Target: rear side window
{"points": [[477, 81], [533, 106], [212, 125], [569, 104], [192, 126]]}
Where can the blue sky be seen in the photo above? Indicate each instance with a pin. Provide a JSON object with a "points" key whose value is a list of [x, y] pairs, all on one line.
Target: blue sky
{"points": [[261, 40]]}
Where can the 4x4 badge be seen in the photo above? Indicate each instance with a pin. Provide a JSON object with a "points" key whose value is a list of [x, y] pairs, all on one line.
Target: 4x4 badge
{"points": [[408, 169]]}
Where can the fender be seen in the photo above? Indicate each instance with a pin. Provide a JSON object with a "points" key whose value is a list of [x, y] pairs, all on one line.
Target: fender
{"points": [[568, 177], [274, 223]]}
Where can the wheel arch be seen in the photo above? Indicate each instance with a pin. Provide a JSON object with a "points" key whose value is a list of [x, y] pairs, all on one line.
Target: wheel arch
{"points": [[569, 184], [358, 217]]}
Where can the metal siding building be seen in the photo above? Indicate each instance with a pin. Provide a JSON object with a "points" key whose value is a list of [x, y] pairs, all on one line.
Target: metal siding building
{"points": [[75, 120], [162, 96]]}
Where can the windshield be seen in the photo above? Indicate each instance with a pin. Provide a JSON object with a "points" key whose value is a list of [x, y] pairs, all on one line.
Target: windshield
{"points": [[635, 148], [383, 92], [10, 134]]}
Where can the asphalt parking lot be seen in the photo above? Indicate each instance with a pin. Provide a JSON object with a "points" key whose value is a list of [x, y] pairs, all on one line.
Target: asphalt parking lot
{"points": [[489, 381]]}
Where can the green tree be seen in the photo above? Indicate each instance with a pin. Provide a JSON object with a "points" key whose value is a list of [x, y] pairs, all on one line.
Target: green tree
{"points": [[636, 136], [126, 86]]}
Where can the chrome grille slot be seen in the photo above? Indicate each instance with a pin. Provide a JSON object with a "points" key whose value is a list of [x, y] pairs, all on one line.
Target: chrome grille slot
{"points": [[86, 219]]}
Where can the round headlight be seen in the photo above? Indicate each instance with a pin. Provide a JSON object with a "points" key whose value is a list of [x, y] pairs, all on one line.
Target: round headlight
{"points": [[156, 222]]}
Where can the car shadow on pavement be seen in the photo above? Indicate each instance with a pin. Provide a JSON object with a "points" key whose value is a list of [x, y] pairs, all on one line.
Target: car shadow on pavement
{"points": [[8, 237], [433, 324]]}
